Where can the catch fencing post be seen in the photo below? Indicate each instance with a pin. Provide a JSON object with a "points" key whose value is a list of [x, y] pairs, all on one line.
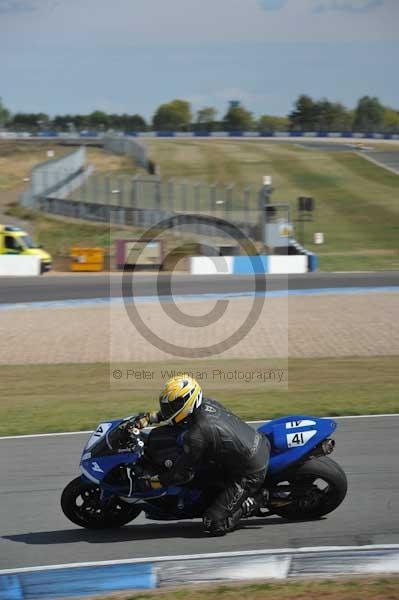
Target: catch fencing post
{"points": [[95, 189], [171, 195], [158, 194], [121, 209], [212, 197], [229, 199], [184, 197], [197, 204], [247, 201]]}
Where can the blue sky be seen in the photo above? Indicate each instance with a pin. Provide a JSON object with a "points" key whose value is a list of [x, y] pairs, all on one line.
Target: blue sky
{"points": [[130, 55]]}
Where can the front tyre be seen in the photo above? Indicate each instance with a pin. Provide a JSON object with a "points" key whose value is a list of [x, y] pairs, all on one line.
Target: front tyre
{"points": [[310, 491], [80, 503]]}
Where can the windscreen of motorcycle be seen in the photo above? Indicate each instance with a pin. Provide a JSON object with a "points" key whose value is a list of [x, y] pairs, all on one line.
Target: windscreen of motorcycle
{"points": [[113, 440], [98, 434]]}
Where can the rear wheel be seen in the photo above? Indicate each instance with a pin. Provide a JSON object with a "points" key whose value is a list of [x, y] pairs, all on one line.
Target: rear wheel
{"points": [[80, 503], [314, 489]]}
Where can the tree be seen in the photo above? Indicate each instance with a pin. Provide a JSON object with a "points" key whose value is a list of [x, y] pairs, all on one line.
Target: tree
{"points": [[391, 120], [29, 121], [173, 116], [4, 114], [271, 123], [320, 115], [304, 115], [331, 116], [134, 123], [81, 121], [369, 114], [62, 122], [237, 118], [206, 118], [98, 119]]}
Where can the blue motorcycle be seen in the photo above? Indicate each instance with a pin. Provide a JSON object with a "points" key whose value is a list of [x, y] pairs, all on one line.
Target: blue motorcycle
{"points": [[303, 482]]}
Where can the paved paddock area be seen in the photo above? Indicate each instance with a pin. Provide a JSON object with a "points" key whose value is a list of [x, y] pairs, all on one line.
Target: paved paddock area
{"points": [[299, 326]]}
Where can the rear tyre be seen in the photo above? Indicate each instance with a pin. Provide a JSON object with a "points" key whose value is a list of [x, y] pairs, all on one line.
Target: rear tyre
{"points": [[314, 489], [80, 503]]}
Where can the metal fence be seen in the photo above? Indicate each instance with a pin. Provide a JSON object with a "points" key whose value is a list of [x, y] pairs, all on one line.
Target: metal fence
{"points": [[52, 175], [129, 146], [145, 201]]}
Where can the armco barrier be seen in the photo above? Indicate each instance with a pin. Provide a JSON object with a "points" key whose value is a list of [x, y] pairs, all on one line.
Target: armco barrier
{"points": [[270, 134], [246, 134], [66, 581], [249, 265], [11, 264]]}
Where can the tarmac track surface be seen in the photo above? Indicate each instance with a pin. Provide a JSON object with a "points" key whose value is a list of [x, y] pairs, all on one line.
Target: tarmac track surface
{"points": [[79, 286], [35, 532]]}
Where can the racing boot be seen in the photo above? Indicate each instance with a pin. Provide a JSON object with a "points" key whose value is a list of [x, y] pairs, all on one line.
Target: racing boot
{"points": [[253, 504]]}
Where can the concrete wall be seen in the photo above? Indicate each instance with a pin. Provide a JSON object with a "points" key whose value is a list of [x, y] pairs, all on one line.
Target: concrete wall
{"points": [[19, 265], [211, 265], [249, 265]]}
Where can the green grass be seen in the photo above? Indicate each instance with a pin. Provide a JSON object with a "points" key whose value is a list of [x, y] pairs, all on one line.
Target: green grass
{"points": [[357, 588], [51, 398], [357, 202], [57, 235]]}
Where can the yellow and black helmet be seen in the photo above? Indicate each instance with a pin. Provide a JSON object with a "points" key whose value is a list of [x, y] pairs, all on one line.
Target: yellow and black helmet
{"points": [[180, 396]]}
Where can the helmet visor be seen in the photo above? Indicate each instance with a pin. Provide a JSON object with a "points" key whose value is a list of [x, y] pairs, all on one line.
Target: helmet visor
{"points": [[169, 409]]}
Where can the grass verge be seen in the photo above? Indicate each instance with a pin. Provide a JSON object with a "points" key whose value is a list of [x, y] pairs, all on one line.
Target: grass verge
{"points": [[57, 235], [356, 201], [17, 158], [376, 588], [53, 398]]}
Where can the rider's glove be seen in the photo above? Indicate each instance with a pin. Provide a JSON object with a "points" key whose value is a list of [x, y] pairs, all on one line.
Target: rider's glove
{"points": [[144, 420]]}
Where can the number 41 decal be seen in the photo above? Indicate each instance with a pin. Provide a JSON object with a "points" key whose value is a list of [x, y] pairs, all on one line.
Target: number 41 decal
{"points": [[299, 439]]}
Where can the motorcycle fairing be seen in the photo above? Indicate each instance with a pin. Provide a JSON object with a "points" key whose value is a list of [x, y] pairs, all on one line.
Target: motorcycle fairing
{"points": [[293, 437], [96, 469]]}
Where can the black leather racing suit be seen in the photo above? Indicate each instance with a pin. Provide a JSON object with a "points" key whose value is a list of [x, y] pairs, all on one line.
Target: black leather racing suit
{"points": [[241, 453]]}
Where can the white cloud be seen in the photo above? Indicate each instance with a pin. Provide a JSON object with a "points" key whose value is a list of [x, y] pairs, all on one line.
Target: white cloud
{"points": [[223, 96], [319, 6], [273, 4], [346, 5], [11, 7], [16, 6], [131, 23]]}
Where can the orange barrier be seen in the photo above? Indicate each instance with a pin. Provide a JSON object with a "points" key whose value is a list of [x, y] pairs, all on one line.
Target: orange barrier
{"points": [[87, 259]]}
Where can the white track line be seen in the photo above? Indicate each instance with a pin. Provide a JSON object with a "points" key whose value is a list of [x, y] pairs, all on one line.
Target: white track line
{"points": [[41, 435], [377, 162], [155, 559]]}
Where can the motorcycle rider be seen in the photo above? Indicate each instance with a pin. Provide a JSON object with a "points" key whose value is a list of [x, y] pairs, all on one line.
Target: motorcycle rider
{"points": [[212, 433]]}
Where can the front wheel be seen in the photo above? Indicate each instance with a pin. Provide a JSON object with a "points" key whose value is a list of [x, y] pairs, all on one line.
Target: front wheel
{"points": [[314, 489], [80, 503]]}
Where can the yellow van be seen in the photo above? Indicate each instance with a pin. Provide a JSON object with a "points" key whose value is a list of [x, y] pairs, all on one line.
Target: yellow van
{"points": [[14, 240]]}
